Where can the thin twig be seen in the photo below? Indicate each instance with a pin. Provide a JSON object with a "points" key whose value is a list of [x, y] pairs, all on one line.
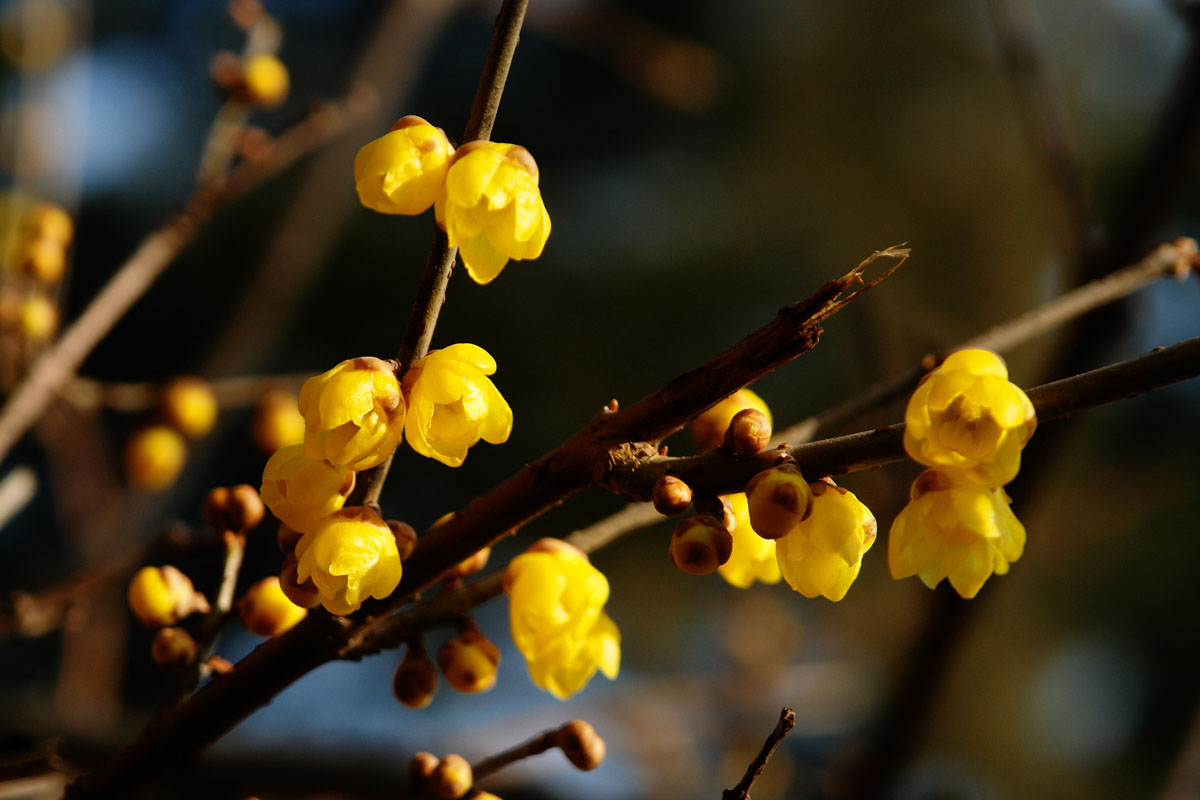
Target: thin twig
{"points": [[787, 721], [546, 740], [244, 390], [59, 363]]}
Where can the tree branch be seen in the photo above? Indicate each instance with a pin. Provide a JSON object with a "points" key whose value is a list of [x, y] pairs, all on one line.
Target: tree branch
{"points": [[787, 721]]}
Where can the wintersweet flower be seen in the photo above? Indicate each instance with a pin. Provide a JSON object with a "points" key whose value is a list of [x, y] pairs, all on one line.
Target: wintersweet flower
{"points": [[556, 611], [492, 210], [823, 554], [351, 556], [403, 171], [452, 404], [301, 491], [968, 417], [753, 557], [953, 528], [161, 596], [353, 414], [708, 429], [266, 610]]}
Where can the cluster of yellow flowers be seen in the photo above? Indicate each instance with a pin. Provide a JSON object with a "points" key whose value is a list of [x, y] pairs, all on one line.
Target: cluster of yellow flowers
{"points": [[968, 423], [485, 194], [34, 239], [354, 416], [155, 453]]}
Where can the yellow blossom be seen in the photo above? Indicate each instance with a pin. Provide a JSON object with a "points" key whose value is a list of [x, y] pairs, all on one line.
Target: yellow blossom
{"points": [[162, 596], [265, 80], [956, 529], [556, 611], [968, 417], [353, 414], [403, 171], [753, 557], [277, 421], [301, 491], [351, 556], [154, 457], [266, 610], [492, 210], [190, 406], [823, 554], [708, 429], [452, 404]]}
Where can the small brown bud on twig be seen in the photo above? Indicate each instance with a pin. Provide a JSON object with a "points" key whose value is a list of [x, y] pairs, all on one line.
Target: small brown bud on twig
{"points": [[305, 595], [717, 506], [406, 537], [671, 496], [700, 544], [580, 744], [420, 768], [173, 648], [749, 432], [452, 777], [215, 507], [245, 509], [415, 680]]}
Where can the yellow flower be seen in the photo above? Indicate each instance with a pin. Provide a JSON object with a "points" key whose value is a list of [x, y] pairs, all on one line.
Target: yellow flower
{"points": [[452, 404], [823, 555], [556, 611], [492, 210], [351, 556], [277, 421], [265, 80], [954, 529], [753, 557], [266, 610], [302, 492], [469, 662], [162, 596], [154, 457], [353, 414], [190, 406], [708, 429], [968, 417], [403, 171]]}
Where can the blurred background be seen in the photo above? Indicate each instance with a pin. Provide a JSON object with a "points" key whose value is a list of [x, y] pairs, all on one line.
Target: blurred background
{"points": [[704, 163]]}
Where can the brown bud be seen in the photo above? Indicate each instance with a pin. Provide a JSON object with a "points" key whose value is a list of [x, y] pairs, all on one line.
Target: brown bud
{"points": [[452, 777], [246, 13], [173, 648], [245, 509], [671, 496], [469, 565], [406, 537], [580, 744], [749, 432], [226, 70], [420, 768], [216, 507], [779, 499], [717, 506], [415, 680], [305, 595], [700, 544], [287, 539]]}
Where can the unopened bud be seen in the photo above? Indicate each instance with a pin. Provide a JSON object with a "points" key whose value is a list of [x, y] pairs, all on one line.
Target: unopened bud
{"points": [[49, 222], [749, 432], [406, 537], [277, 422], [469, 565], [265, 81], [719, 507], [216, 506], [44, 261], [246, 509], [287, 539], [154, 457], [580, 744], [671, 496], [226, 70], [266, 609], [420, 768], [37, 318], [415, 680], [452, 777], [173, 648], [305, 595], [779, 499], [162, 596], [700, 544], [469, 662], [188, 403]]}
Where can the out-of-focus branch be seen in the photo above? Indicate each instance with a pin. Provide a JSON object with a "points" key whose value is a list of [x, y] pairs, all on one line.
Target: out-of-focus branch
{"points": [[230, 392], [787, 721], [59, 363]]}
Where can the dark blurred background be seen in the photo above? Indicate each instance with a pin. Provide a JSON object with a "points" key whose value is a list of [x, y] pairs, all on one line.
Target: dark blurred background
{"points": [[704, 164]]}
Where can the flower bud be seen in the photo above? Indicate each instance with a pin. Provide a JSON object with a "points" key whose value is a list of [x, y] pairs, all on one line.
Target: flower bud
{"points": [[173, 648], [188, 403], [37, 318], [700, 544], [415, 680], [671, 496], [452, 777], [49, 222], [749, 432], [480, 794], [708, 429], [215, 506], [162, 596], [406, 537], [266, 610], [277, 422], [420, 768], [469, 662], [154, 457], [469, 565], [225, 68], [43, 261], [287, 539], [353, 413], [580, 744], [305, 595], [718, 507], [779, 499], [265, 81], [403, 171]]}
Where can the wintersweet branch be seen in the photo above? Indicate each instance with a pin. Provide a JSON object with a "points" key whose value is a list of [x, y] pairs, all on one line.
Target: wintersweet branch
{"points": [[59, 363], [230, 392], [721, 472], [787, 721]]}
